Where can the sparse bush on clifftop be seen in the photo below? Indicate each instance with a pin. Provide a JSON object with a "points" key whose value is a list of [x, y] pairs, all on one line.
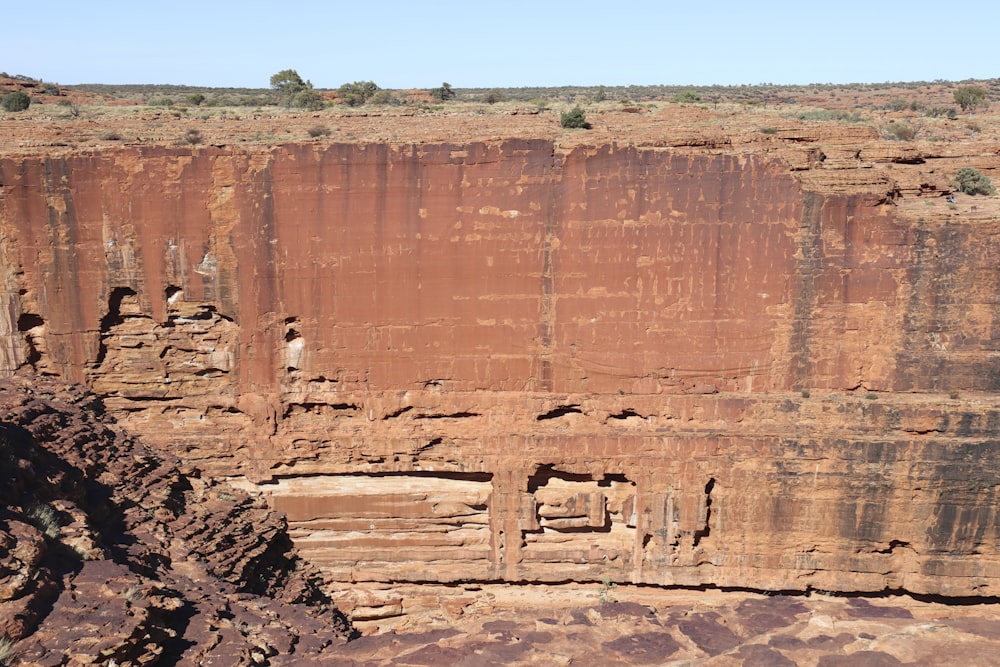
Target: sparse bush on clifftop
{"points": [[900, 131], [357, 93], [287, 83], [308, 99], [574, 118], [686, 96], [16, 101], [972, 182], [444, 93], [493, 96], [969, 97]]}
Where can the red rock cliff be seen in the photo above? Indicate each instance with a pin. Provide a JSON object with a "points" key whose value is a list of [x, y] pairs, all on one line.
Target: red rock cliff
{"points": [[505, 360]]}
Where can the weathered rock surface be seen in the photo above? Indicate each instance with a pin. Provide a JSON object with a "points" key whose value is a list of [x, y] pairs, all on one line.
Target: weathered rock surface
{"points": [[567, 625], [109, 555], [710, 359]]}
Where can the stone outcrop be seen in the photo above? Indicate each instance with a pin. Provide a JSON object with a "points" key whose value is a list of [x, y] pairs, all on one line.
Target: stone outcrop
{"points": [[699, 362], [109, 555]]}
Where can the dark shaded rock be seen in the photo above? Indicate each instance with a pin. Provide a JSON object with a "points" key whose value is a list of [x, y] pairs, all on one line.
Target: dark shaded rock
{"points": [[983, 627], [708, 633], [828, 643], [862, 608], [859, 659], [612, 609], [646, 648], [757, 655], [111, 554]]}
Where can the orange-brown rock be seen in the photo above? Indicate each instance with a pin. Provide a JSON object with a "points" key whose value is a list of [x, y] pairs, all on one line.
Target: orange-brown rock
{"points": [[763, 362], [109, 555]]}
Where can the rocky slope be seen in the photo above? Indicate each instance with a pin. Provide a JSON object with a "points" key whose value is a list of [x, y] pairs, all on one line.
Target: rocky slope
{"points": [[679, 350], [109, 555]]}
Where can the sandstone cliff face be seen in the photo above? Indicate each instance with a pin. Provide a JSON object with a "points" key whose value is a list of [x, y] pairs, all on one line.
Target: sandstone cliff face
{"points": [[503, 360]]}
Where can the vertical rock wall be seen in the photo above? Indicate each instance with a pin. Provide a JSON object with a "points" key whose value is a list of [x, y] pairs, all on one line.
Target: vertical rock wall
{"points": [[662, 366]]}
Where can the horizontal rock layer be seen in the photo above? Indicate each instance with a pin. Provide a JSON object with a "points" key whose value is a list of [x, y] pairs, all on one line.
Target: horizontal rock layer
{"points": [[508, 361]]}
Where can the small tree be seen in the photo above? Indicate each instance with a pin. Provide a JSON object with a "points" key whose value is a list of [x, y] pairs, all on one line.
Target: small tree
{"points": [[287, 83], [575, 118], [972, 182], [357, 93], [195, 99], [970, 97], [16, 101], [444, 93]]}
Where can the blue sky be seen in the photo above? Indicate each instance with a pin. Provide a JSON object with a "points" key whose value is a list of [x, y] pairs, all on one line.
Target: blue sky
{"points": [[512, 43]]}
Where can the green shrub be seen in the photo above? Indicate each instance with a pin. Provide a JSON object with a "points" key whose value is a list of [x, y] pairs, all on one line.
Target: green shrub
{"points": [[16, 101], [574, 119], [287, 83], [308, 98], [972, 182], [493, 96], [385, 97], [830, 114], [195, 99], [444, 93], [686, 96], [937, 112], [969, 97], [357, 93]]}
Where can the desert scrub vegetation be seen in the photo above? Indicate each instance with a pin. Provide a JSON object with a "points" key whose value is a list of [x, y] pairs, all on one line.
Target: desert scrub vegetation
{"points": [[443, 93], [45, 518], [294, 92], [192, 137], [7, 653], [900, 131], [575, 118], [898, 104], [686, 96], [972, 182], [493, 96], [16, 101], [831, 114], [941, 112], [318, 131], [357, 93], [969, 97]]}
